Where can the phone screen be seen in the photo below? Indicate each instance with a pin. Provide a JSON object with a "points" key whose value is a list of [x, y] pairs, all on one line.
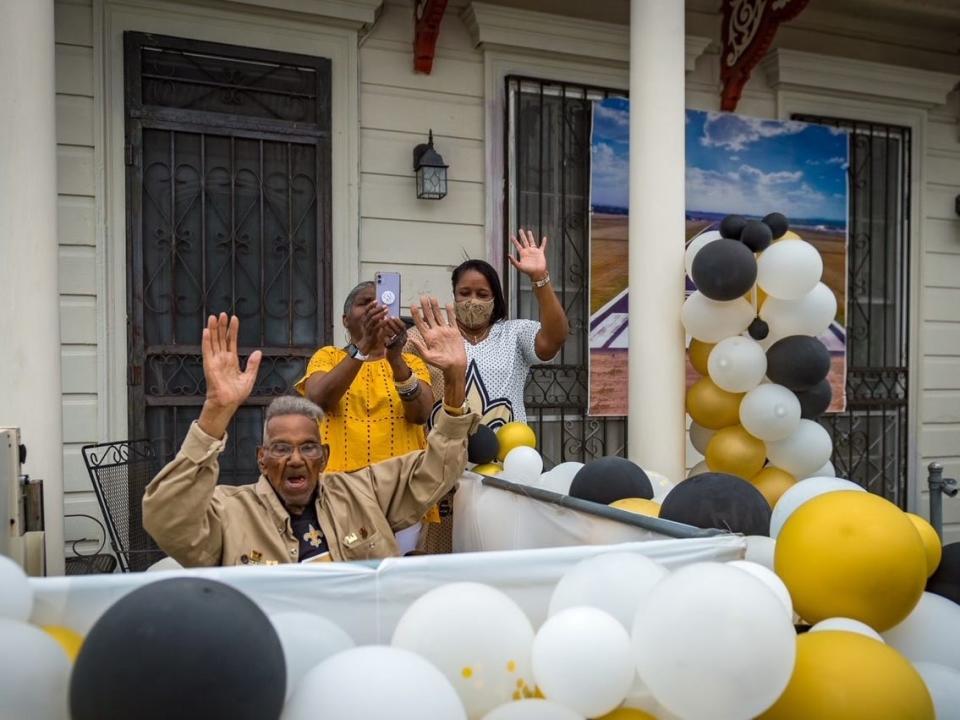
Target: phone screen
{"points": [[388, 291]]}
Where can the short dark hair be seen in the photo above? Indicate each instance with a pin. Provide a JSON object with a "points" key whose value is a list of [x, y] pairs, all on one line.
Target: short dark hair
{"points": [[352, 295], [485, 269]]}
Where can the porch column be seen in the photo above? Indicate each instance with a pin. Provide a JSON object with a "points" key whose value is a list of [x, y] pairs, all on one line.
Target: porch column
{"points": [[29, 293], [657, 367]]}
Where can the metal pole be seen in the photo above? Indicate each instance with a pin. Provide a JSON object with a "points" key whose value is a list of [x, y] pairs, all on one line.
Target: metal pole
{"points": [[939, 486]]}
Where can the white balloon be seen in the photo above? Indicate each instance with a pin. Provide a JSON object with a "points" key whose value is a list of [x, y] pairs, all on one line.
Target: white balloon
{"points": [[532, 709], [804, 490], [808, 315], [558, 480], [930, 633], [698, 469], [770, 412], [307, 639], [944, 685], [640, 698], [616, 583], [661, 484], [737, 364], [582, 659], [374, 681], [789, 270], [696, 245], [700, 436], [523, 464], [760, 550], [769, 578], [826, 470], [34, 673], [477, 636], [165, 563], [16, 598], [683, 638], [803, 451], [846, 625], [711, 321]]}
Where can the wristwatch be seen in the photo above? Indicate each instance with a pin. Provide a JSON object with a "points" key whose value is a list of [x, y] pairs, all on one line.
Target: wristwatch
{"points": [[353, 351]]}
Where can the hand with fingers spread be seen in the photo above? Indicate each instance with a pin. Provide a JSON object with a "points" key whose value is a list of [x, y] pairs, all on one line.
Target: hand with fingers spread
{"points": [[531, 258], [440, 342], [228, 386]]}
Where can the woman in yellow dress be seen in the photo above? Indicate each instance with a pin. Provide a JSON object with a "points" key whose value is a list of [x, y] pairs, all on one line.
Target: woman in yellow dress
{"points": [[376, 398]]}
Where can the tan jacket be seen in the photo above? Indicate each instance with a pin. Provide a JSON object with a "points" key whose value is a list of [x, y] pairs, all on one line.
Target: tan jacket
{"points": [[200, 523]]}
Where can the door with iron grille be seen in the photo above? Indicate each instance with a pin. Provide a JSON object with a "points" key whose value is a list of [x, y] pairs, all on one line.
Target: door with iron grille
{"points": [[228, 209]]}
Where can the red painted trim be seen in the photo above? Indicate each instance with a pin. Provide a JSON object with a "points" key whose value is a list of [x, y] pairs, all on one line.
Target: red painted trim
{"points": [[429, 13], [734, 77]]}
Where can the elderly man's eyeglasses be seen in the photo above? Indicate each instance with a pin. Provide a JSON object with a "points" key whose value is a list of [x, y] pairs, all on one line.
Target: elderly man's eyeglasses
{"points": [[282, 451]]}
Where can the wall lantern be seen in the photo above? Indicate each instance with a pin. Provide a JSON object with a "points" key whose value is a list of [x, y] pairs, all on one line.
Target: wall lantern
{"points": [[431, 171]]}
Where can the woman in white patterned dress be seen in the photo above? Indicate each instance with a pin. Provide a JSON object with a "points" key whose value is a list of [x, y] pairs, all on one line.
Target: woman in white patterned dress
{"points": [[500, 352]]}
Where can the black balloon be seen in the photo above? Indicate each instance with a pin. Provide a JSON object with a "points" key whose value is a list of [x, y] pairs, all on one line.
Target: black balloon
{"points": [[608, 479], [718, 500], [798, 362], [756, 236], [778, 224], [758, 329], [724, 269], [946, 580], [185, 648], [731, 226], [815, 401], [482, 446]]}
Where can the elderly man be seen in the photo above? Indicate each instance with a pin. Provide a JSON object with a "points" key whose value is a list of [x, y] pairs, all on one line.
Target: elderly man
{"points": [[295, 511]]}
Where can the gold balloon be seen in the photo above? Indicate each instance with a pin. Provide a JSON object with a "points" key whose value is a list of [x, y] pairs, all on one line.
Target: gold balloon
{"points": [[734, 451], [69, 640], [514, 435], [626, 713], [772, 482], [712, 407], [699, 352], [851, 554], [641, 506], [488, 468], [840, 675], [789, 235], [931, 542]]}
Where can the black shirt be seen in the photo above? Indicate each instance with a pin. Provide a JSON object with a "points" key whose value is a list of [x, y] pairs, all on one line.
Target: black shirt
{"points": [[306, 528]]}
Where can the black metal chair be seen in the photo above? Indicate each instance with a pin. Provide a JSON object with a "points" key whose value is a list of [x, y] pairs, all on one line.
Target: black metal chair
{"points": [[120, 472]]}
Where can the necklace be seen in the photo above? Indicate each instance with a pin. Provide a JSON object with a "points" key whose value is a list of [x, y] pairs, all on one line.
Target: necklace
{"points": [[475, 338]]}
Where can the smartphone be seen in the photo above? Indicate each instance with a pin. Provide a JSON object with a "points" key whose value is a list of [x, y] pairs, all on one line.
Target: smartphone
{"points": [[388, 291]]}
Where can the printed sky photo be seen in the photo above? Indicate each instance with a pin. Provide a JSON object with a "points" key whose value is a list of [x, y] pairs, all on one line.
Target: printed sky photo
{"points": [[735, 164]]}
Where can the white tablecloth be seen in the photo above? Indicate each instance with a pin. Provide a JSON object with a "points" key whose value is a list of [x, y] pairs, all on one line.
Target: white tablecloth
{"points": [[368, 600]]}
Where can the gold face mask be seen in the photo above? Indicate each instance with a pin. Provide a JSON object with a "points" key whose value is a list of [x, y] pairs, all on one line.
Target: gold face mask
{"points": [[473, 314]]}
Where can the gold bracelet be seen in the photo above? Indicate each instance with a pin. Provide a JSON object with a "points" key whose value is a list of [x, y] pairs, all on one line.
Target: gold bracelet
{"points": [[407, 385], [541, 283], [456, 411]]}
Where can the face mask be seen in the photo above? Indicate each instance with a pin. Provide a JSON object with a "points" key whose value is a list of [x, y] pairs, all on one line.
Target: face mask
{"points": [[473, 313]]}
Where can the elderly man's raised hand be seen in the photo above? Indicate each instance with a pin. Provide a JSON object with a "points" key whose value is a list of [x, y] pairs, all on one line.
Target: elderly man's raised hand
{"points": [[440, 343], [227, 385]]}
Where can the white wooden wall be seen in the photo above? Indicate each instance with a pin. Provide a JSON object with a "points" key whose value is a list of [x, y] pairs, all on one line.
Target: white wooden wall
{"points": [[939, 334], [424, 240], [78, 258]]}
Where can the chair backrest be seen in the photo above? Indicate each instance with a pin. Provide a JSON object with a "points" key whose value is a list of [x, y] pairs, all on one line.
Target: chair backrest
{"points": [[120, 472]]}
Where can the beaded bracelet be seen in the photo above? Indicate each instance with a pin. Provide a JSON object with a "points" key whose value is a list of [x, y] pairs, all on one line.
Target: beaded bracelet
{"points": [[407, 385]]}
